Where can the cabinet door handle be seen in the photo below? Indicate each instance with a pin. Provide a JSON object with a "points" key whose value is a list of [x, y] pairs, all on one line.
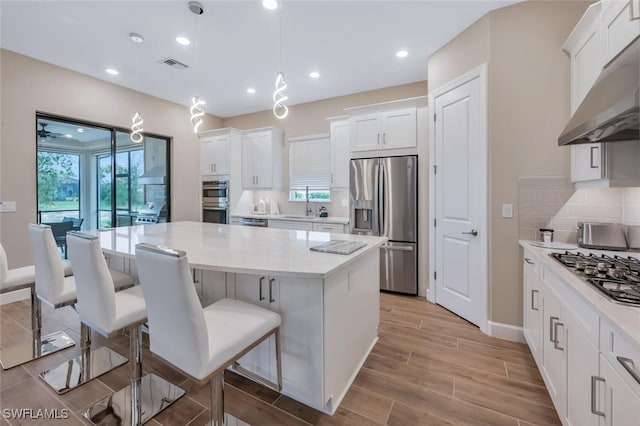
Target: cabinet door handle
{"points": [[533, 308], [594, 384], [331, 177], [551, 320], [627, 363], [592, 157], [211, 166], [384, 139], [556, 342], [214, 167], [271, 299], [260, 281], [529, 261], [378, 139]]}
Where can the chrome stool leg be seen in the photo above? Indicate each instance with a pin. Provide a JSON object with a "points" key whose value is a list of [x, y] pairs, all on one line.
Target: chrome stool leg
{"points": [[217, 400], [88, 365], [137, 403], [39, 345]]}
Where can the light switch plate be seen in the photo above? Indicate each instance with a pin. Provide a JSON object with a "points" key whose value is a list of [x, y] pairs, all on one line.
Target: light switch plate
{"points": [[507, 210], [7, 206]]}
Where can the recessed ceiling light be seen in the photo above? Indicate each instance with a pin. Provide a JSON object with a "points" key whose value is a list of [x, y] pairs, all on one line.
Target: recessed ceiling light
{"points": [[183, 41], [251, 90], [314, 74], [136, 38], [112, 71], [401, 53], [270, 4], [80, 130]]}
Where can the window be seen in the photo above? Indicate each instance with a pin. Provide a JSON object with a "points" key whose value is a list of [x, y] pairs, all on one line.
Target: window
{"points": [[58, 185], [310, 168]]}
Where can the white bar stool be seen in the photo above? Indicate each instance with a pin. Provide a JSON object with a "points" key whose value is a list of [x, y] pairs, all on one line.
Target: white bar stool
{"points": [[200, 342], [106, 311], [58, 290]]}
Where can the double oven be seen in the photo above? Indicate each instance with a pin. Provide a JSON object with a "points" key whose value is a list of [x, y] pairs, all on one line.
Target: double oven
{"points": [[215, 201]]}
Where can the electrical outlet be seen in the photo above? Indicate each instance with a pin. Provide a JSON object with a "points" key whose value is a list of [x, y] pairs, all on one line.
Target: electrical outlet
{"points": [[7, 206], [507, 210]]}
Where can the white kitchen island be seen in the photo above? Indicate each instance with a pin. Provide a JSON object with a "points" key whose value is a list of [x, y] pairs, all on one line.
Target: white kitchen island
{"points": [[329, 303]]}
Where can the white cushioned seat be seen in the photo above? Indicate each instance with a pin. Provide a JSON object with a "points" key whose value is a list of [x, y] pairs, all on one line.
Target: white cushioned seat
{"points": [[200, 342], [68, 270], [18, 277]]}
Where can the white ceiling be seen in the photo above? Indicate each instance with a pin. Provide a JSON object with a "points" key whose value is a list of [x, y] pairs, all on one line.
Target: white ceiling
{"points": [[235, 45]]}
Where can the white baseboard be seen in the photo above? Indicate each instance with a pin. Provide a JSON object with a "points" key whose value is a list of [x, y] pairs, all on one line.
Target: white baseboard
{"points": [[506, 332], [15, 296]]}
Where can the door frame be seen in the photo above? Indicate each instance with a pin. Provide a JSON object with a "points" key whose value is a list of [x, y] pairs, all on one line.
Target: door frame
{"points": [[481, 73]]}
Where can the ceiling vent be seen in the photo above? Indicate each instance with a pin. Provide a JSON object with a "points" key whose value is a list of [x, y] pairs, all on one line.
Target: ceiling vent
{"points": [[174, 63]]}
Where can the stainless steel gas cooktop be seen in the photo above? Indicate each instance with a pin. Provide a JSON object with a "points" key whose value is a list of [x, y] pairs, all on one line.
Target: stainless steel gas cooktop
{"points": [[617, 277]]}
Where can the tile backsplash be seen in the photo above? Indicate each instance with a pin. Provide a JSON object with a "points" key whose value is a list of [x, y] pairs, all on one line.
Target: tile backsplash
{"points": [[553, 202]]}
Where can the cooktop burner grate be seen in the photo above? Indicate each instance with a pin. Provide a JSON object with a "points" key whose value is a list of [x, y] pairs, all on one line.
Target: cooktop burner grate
{"points": [[617, 277]]}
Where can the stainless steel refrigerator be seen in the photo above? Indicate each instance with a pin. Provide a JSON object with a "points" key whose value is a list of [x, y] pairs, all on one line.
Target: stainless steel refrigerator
{"points": [[384, 202]]}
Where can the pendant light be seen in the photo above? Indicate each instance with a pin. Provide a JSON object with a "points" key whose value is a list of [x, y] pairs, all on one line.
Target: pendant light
{"points": [[137, 121], [280, 110], [196, 110]]}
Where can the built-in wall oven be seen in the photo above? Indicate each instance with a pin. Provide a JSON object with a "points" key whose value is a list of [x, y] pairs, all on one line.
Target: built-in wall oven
{"points": [[215, 201]]}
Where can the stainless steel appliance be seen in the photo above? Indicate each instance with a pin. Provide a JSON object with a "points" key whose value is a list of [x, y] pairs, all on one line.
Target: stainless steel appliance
{"points": [[250, 221], [149, 213], [617, 277], [384, 202], [611, 109], [215, 201], [603, 236]]}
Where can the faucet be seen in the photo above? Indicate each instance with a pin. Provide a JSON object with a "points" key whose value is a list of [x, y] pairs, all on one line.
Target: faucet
{"points": [[308, 209]]}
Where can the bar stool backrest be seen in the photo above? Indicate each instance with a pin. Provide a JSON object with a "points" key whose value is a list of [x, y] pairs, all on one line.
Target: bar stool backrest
{"points": [[177, 327], [47, 262], [94, 286]]}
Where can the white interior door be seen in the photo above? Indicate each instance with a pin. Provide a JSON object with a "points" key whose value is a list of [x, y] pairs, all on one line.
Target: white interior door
{"points": [[459, 153]]}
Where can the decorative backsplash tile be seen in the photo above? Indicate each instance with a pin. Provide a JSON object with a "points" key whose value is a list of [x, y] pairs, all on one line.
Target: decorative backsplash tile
{"points": [[552, 202]]}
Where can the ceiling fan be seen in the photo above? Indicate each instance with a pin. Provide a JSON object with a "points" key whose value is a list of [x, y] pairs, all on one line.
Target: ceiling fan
{"points": [[44, 133]]}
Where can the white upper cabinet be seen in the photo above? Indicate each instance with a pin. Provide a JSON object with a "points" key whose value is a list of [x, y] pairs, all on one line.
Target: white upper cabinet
{"points": [[215, 151], [262, 158], [384, 130], [339, 153], [620, 26], [388, 128]]}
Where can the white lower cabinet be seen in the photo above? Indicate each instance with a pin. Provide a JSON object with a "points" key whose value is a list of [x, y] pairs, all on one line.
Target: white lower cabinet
{"points": [[329, 227], [532, 307], [290, 224], [299, 303], [562, 333], [620, 405]]}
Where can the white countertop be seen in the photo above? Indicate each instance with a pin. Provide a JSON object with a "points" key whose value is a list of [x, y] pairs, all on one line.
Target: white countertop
{"points": [[297, 218], [625, 318], [240, 249]]}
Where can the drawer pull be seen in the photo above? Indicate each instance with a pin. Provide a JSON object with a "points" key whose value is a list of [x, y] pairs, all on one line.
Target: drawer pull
{"points": [[594, 384], [628, 365], [260, 287], [533, 308], [551, 328], [556, 343], [271, 299], [529, 261]]}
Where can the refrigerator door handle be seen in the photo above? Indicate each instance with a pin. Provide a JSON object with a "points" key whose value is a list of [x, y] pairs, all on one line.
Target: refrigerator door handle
{"points": [[381, 192], [399, 248], [376, 200]]}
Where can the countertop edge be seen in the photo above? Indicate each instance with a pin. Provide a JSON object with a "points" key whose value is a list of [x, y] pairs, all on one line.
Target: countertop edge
{"points": [[331, 219]]}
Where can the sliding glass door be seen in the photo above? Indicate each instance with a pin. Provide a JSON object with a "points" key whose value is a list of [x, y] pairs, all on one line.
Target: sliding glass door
{"points": [[96, 175]]}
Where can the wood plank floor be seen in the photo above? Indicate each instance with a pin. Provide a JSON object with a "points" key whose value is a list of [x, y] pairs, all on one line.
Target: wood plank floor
{"points": [[429, 368]]}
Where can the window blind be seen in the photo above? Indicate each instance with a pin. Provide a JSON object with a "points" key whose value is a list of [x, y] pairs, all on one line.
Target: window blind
{"points": [[310, 163]]}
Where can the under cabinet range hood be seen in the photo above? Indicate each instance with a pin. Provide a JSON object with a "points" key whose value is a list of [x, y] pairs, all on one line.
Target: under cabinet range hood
{"points": [[610, 112]]}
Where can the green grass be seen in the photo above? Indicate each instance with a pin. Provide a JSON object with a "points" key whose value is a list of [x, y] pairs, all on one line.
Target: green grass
{"points": [[60, 205]]}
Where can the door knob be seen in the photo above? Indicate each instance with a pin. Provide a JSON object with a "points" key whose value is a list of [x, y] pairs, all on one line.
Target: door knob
{"points": [[472, 232]]}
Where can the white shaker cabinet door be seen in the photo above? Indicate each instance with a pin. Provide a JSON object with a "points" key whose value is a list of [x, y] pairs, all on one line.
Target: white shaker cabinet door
{"points": [[582, 365], [340, 155], [621, 406], [587, 162], [365, 132], [618, 27], [399, 128]]}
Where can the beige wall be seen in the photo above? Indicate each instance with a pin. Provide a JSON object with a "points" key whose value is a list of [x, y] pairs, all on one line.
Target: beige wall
{"points": [[28, 85], [528, 107]]}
